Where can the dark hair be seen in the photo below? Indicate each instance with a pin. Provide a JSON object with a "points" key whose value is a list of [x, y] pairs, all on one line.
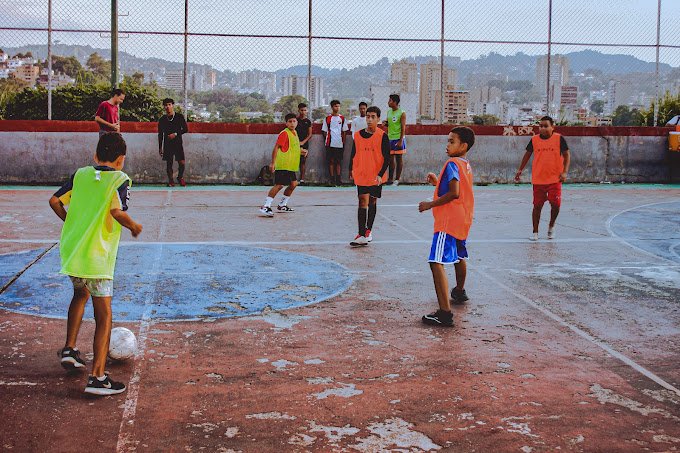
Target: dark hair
{"points": [[395, 98], [168, 101], [547, 118], [302, 105], [117, 92], [373, 109], [363, 103], [290, 116], [334, 102], [465, 134], [111, 145]]}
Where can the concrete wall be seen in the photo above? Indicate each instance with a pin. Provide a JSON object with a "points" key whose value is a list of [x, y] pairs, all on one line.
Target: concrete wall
{"points": [[40, 157]]}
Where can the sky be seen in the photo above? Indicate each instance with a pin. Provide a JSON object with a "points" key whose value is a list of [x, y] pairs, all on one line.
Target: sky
{"points": [[574, 21]]}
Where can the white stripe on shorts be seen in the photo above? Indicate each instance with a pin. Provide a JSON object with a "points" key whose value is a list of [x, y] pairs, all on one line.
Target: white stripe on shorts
{"points": [[441, 241]]}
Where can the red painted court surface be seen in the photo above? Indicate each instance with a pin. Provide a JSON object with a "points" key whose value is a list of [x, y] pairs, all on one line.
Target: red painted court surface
{"points": [[571, 344]]}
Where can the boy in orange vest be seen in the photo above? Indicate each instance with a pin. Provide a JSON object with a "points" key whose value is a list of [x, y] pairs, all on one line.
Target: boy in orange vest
{"points": [[368, 169], [548, 172], [452, 207]]}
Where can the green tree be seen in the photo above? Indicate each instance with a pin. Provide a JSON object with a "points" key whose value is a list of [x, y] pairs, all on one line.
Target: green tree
{"points": [[138, 77], [289, 104], [99, 66], [67, 65], [669, 106], [486, 120], [8, 89], [597, 107], [319, 113], [624, 116]]}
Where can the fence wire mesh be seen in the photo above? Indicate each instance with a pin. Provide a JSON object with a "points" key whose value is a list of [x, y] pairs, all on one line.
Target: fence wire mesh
{"points": [[485, 62]]}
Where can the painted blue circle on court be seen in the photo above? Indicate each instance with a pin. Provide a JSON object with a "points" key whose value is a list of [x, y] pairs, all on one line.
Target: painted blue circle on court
{"points": [[176, 282]]}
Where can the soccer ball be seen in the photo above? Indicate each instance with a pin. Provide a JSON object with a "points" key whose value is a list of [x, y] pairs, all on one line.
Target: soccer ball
{"points": [[123, 344]]}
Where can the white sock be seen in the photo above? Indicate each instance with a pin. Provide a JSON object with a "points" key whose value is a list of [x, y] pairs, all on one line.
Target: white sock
{"points": [[284, 201], [268, 202], [101, 379]]}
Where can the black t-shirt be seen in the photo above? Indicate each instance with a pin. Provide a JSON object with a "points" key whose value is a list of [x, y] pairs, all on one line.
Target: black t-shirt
{"points": [[174, 125], [64, 192], [302, 129]]}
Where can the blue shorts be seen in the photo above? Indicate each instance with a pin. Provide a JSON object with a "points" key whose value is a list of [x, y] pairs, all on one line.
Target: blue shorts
{"points": [[394, 149], [446, 249]]}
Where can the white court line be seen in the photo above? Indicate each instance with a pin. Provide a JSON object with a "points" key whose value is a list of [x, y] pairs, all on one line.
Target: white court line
{"points": [[608, 225], [608, 349], [311, 243], [125, 438]]}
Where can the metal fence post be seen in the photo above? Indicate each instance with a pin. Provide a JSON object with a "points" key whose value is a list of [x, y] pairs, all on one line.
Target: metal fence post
{"points": [[441, 70], [658, 43], [114, 43], [186, 47], [49, 59], [309, 60], [547, 84]]}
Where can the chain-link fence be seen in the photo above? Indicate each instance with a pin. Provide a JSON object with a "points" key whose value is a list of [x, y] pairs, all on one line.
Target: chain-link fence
{"points": [[484, 62]]}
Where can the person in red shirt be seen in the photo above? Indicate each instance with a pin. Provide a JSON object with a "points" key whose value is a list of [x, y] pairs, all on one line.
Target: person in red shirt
{"points": [[548, 172], [107, 114], [453, 206]]}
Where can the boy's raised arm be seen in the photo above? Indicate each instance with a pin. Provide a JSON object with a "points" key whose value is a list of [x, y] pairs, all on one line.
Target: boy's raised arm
{"points": [[58, 207]]}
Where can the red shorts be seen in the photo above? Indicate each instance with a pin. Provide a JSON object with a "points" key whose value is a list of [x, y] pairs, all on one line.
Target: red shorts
{"points": [[548, 192]]}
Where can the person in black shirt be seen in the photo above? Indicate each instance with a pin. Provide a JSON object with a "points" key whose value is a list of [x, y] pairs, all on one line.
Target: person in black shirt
{"points": [[304, 131], [171, 127]]}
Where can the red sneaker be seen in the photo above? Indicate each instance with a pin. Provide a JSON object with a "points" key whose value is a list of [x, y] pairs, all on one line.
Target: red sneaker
{"points": [[182, 182], [171, 184]]}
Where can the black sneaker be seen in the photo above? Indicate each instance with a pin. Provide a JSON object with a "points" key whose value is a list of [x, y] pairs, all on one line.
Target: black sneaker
{"points": [[459, 296], [439, 318], [70, 359], [103, 388], [284, 209]]}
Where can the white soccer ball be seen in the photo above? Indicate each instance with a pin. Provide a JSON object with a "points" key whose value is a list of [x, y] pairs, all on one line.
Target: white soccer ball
{"points": [[123, 344]]}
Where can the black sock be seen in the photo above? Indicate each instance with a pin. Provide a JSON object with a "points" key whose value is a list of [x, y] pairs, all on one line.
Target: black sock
{"points": [[180, 171], [372, 210], [168, 169], [362, 221]]}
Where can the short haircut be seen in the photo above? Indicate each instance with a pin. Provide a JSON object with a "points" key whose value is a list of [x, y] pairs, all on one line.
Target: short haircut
{"points": [[334, 102], [290, 116], [547, 118], [395, 98], [111, 145], [302, 105], [117, 92], [465, 134], [373, 109], [167, 101], [363, 103]]}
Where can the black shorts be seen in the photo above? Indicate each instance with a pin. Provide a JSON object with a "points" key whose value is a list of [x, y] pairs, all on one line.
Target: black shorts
{"points": [[334, 154], [373, 191], [176, 154], [284, 177]]}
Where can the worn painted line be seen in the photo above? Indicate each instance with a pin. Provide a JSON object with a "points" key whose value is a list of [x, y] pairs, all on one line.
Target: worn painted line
{"points": [[28, 266], [125, 434], [604, 346]]}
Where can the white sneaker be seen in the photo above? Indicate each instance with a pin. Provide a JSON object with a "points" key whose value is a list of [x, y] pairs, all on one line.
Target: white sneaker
{"points": [[369, 236], [396, 182], [266, 211], [533, 237], [551, 233], [359, 241]]}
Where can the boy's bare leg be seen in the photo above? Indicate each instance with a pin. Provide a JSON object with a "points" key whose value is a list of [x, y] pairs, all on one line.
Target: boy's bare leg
{"points": [[391, 166], [400, 165], [554, 212], [461, 273], [102, 333], [75, 315], [274, 190], [441, 285], [303, 166], [289, 190], [338, 171], [536, 217]]}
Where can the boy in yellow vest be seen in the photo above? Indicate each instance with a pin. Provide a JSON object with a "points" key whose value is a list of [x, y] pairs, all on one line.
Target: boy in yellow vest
{"points": [[368, 169], [285, 162], [97, 198], [452, 207]]}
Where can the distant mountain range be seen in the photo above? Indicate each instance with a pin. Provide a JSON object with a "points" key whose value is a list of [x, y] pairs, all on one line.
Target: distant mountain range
{"points": [[352, 83]]}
